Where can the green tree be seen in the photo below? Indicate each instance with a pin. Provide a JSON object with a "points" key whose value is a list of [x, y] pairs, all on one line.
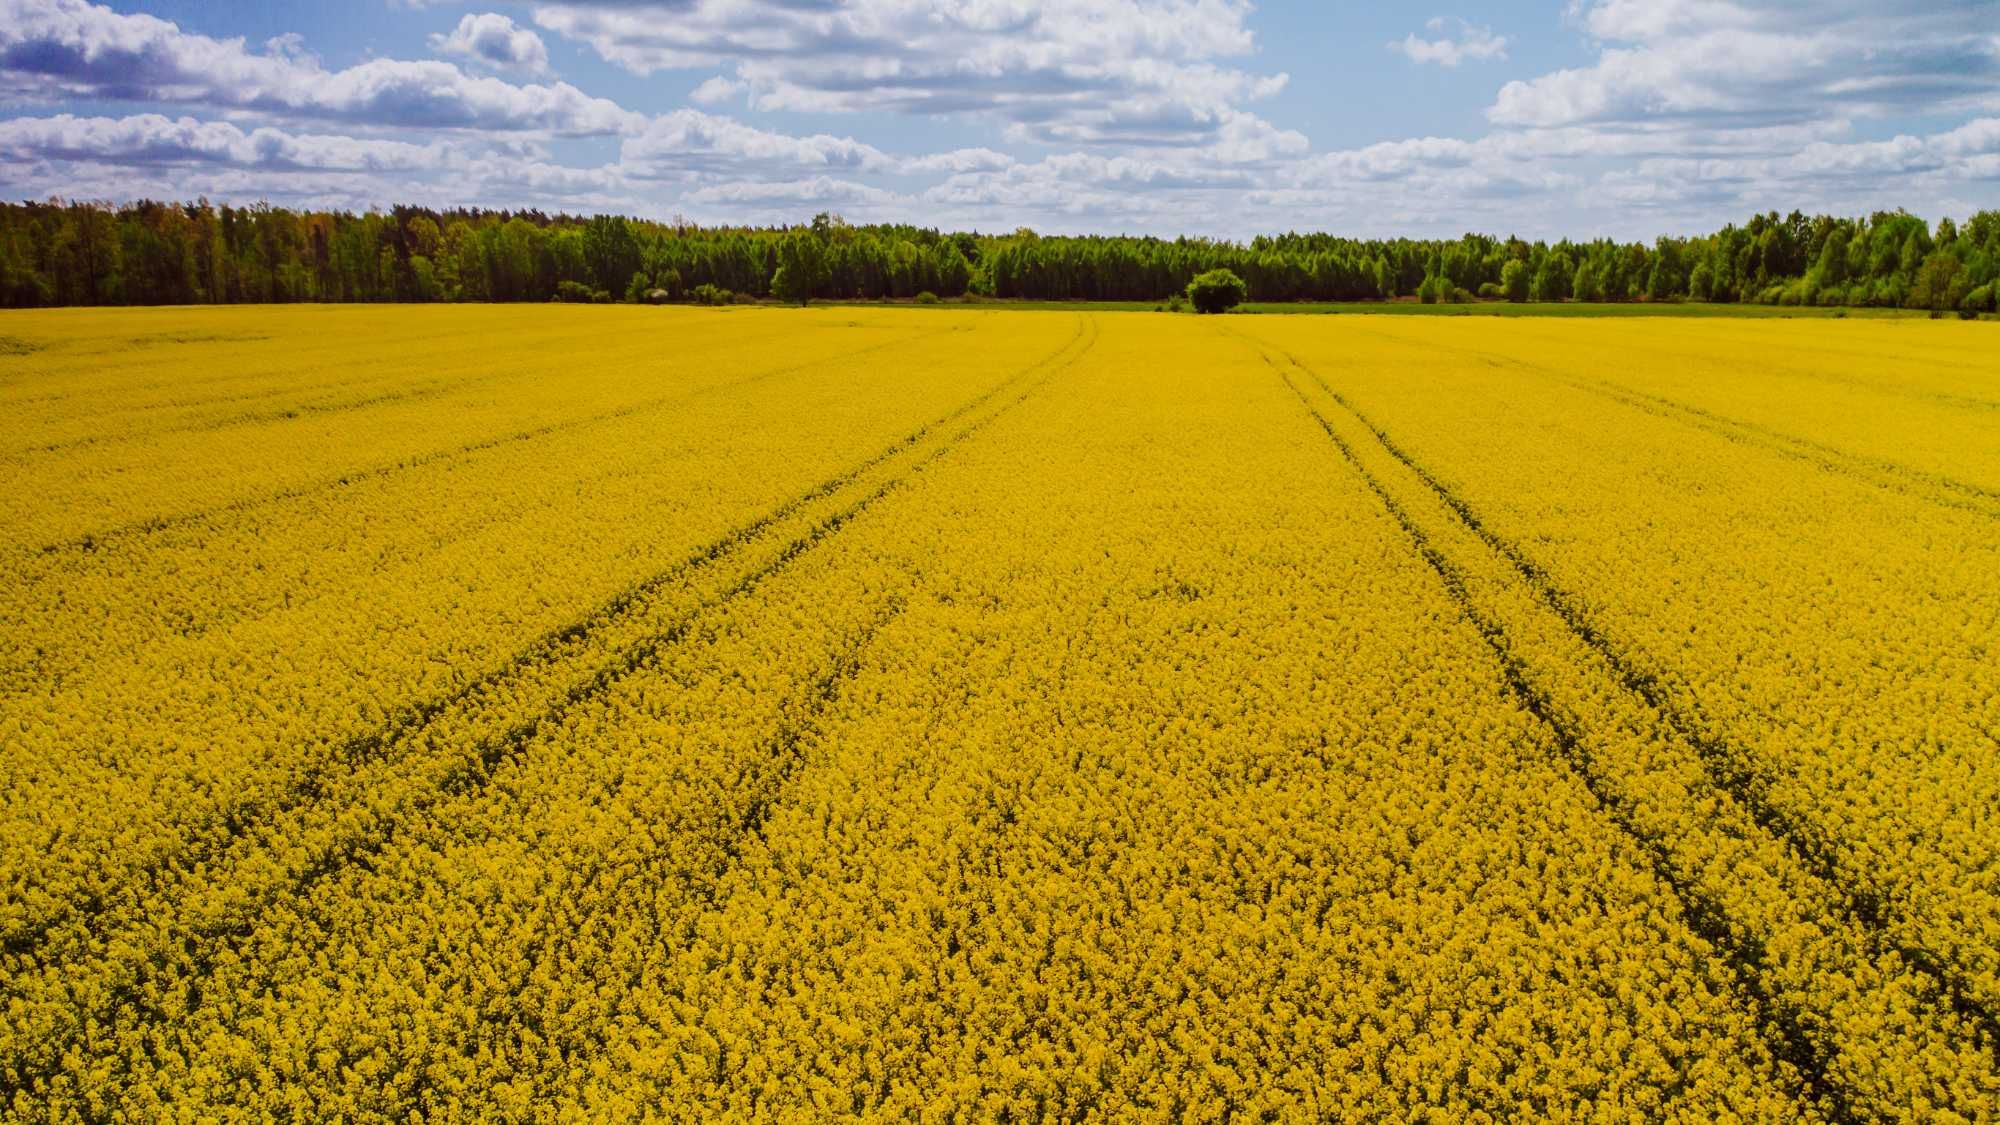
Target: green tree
{"points": [[1831, 268], [1666, 280], [1216, 291], [1587, 287], [954, 272], [423, 279], [802, 267], [610, 252], [1941, 284], [1514, 280], [1554, 278], [1701, 283]]}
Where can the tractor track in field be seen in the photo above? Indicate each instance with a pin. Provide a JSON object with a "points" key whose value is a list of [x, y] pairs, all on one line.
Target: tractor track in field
{"points": [[132, 1000], [548, 649], [100, 540], [784, 752], [1935, 488], [274, 414], [1890, 476], [327, 388], [1820, 375], [1743, 960], [1861, 908], [1750, 784]]}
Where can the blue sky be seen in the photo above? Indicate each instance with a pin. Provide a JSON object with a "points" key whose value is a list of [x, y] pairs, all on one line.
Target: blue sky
{"points": [[1218, 117]]}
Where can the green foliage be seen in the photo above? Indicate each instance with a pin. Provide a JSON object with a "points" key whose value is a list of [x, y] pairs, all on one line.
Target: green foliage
{"points": [[579, 293], [1216, 291], [927, 298], [59, 253], [1554, 278], [953, 271], [1941, 283], [1440, 291], [610, 252], [802, 268], [789, 287], [1701, 282]]}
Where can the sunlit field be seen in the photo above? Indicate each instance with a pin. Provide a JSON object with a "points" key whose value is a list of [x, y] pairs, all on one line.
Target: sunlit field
{"points": [[604, 712]]}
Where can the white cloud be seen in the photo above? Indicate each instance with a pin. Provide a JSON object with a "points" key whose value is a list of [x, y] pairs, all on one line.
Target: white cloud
{"points": [[958, 160], [74, 48], [1455, 42], [1086, 71], [1732, 63], [688, 143], [152, 140], [491, 39], [782, 201], [290, 45], [716, 90]]}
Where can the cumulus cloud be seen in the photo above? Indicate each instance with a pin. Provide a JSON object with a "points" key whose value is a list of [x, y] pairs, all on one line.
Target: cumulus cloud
{"points": [[1454, 41], [717, 89], [1085, 71], [958, 160], [152, 140], [782, 200], [491, 39], [75, 48], [1731, 63], [1881, 173], [688, 142]]}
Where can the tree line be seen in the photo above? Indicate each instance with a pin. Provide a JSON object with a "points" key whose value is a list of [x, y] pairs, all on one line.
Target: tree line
{"points": [[145, 253]]}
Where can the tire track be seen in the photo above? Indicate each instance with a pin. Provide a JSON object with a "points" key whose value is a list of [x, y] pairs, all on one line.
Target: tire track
{"points": [[137, 998], [1893, 476], [1744, 959], [98, 540], [1873, 360], [785, 751], [274, 414], [1952, 1024], [550, 649], [1747, 782], [325, 388]]}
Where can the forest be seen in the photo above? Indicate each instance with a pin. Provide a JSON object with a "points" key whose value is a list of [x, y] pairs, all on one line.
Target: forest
{"points": [[150, 253]]}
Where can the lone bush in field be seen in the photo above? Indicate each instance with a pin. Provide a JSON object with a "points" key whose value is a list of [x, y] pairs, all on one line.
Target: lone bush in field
{"points": [[1217, 291]]}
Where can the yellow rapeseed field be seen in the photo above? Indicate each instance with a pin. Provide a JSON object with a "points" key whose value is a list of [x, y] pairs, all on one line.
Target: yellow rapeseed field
{"points": [[607, 713]]}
